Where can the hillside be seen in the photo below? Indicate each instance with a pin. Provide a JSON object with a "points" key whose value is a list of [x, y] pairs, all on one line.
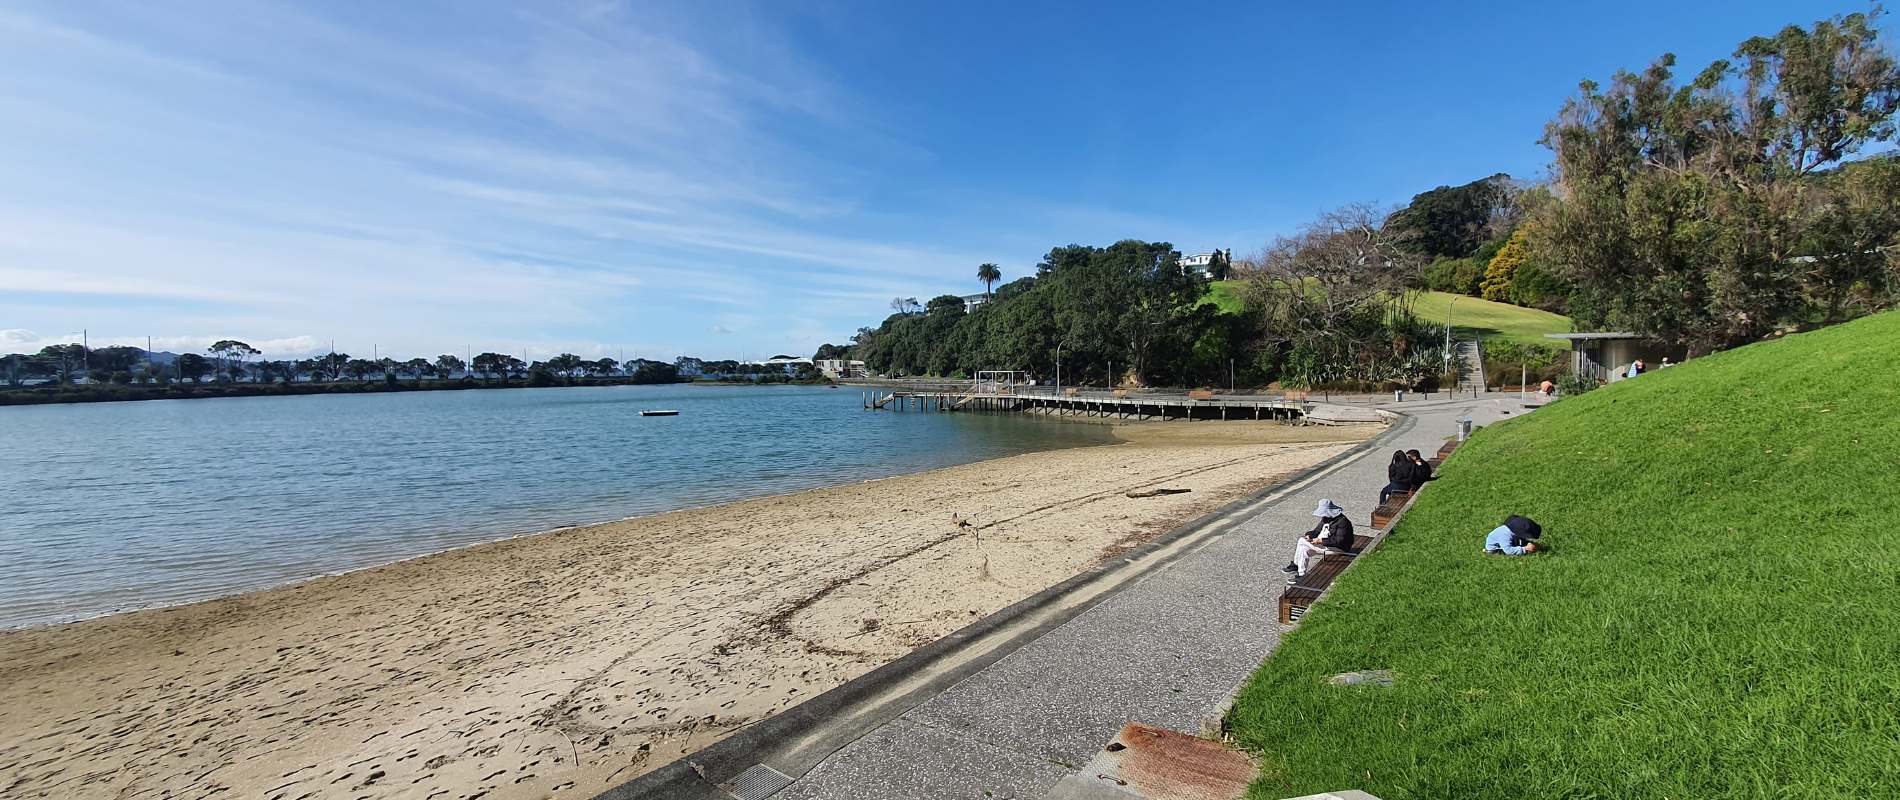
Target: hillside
{"points": [[1475, 315], [1718, 616], [1471, 314]]}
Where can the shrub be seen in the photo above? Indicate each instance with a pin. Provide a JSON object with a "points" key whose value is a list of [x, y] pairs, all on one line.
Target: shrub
{"points": [[1503, 268]]}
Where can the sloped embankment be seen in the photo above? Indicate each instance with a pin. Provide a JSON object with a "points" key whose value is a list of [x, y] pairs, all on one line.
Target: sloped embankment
{"points": [[1719, 615]]}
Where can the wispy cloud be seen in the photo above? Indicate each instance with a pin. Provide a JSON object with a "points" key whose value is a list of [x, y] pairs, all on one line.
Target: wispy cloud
{"points": [[521, 175]]}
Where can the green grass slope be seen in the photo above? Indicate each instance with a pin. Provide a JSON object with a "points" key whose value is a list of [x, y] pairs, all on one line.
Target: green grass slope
{"points": [[1719, 615], [1499, 320], [1225, 295]]}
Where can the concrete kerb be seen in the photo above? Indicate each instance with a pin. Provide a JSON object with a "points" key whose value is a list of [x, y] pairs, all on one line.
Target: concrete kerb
{"points": [[798, 738]]}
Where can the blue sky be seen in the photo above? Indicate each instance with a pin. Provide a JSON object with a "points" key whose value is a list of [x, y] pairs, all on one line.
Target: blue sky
{"points": [[721, 179]]}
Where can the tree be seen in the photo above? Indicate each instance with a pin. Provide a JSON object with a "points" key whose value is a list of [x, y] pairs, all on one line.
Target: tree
{"points": [[231, 355], [1333, 297], [1452, 221], [63, 361], [567, 365], [361, 368], [601, 368], [193, 367], [447, 365], [415, 368], [490, 365], [326, 368], [989, 274], [1218, 266], [1503, 268], [1706, 214]]}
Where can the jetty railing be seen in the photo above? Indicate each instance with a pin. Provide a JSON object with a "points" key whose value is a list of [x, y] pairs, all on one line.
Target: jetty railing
{"points": [[1116, 404]]}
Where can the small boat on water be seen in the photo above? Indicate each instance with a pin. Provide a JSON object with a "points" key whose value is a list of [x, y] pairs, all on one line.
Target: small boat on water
{"points": [[660, 413]]}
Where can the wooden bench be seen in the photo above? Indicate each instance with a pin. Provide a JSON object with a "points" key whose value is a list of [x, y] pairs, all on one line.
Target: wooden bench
{"points": [[1300, 596], [1201, 394], [1382, 516], [1296, 395], [1071, 392], [1121, 392]]}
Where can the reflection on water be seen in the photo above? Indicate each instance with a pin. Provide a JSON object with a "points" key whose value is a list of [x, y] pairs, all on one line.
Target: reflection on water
{"points": [[110, 506]]}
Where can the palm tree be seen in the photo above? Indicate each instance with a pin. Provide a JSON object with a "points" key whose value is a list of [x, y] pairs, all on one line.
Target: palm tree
{"points": [[989, 275]]}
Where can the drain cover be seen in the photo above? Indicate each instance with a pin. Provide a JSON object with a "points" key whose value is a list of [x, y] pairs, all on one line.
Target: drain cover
{"points": [[757, 782]]}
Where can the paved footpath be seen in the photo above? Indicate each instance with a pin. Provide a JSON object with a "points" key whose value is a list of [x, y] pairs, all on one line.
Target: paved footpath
{"points": [[1169, 648]]}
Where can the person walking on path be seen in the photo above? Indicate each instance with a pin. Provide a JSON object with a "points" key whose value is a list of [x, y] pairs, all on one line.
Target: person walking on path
{"points": [[1332, 533]]}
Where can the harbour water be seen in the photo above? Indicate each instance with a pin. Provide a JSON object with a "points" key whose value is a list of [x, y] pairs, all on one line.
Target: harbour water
{"points": [[114, 506]]}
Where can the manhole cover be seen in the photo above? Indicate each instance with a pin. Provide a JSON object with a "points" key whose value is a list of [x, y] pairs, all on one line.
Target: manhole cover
{"points": [[757, 782]]}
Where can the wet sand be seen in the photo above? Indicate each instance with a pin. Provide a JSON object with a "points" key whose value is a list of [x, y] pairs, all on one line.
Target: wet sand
{"points": [[560, 664]]}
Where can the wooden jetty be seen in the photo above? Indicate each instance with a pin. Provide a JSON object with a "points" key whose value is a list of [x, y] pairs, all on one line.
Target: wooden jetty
{"points": [[1119, 405]]}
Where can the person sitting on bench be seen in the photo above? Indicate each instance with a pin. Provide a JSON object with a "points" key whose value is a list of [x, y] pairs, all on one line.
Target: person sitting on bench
{"points": [[1398, 475], [1332, 534], [1514, 538], [1418, 471]]}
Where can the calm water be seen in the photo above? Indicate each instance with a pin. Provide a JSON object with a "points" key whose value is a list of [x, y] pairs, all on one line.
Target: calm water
{"points": [[111, 506]]}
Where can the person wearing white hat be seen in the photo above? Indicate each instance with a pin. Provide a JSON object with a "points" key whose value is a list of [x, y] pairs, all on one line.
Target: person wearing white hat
{"points": [[1332, 534]]}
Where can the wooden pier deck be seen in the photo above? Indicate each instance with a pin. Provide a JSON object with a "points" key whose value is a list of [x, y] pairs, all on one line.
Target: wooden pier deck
{"points": [[1119, 405]]}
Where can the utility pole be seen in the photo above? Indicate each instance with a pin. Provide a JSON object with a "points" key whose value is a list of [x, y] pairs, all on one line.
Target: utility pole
{"points": [[85, 352]]}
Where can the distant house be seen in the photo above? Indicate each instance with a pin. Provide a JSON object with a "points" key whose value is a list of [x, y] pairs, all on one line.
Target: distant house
{"points": [[1199, 263], [839, 369], [1607, 356], [971, 301]]}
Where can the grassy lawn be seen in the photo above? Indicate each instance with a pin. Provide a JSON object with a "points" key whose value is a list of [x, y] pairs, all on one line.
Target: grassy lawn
{"points": [[1718, 617], [1491, 319], [1225, 295], [1471, 314]]}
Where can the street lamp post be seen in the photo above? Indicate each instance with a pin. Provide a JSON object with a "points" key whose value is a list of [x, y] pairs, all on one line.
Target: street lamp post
{"points": [[1448, 308], [1059, 346]]}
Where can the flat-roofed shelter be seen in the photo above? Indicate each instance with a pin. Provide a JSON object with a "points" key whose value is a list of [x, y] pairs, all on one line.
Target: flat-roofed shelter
{"points": [[1607, 356]]}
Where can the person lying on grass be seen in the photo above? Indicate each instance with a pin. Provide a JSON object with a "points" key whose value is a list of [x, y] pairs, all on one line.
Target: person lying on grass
{"points": [[1514, 538], [1333, 533]]}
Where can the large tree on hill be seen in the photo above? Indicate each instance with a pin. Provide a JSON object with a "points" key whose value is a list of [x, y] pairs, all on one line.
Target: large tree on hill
{"points": [[446, 365], [989, 274], [1714, 212], [1452, 221]]}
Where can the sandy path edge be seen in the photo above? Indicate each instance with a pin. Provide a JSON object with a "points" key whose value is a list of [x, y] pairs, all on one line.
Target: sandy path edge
{"points": [[492, 670]]}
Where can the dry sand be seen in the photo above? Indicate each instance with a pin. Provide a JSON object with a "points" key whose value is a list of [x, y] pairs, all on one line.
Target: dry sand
{"points": [[557, 665]]}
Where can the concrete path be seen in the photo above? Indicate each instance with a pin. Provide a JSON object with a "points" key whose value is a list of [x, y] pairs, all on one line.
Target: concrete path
{"points": [[1167, 648]]}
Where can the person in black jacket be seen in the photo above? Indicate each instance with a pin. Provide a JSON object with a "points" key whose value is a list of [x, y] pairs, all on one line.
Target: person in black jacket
{"points": [[1398, 475], [1419, 472], [1333, 533]]}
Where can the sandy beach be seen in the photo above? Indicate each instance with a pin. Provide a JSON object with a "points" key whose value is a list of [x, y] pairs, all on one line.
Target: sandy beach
{"points": [[560, 664]]}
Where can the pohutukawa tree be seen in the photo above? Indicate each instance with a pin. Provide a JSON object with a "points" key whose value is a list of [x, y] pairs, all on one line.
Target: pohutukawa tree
{"points": [[1714, 212]]}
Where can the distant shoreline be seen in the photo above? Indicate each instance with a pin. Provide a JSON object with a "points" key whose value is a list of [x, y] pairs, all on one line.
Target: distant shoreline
{"points": [[115, 393]]}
